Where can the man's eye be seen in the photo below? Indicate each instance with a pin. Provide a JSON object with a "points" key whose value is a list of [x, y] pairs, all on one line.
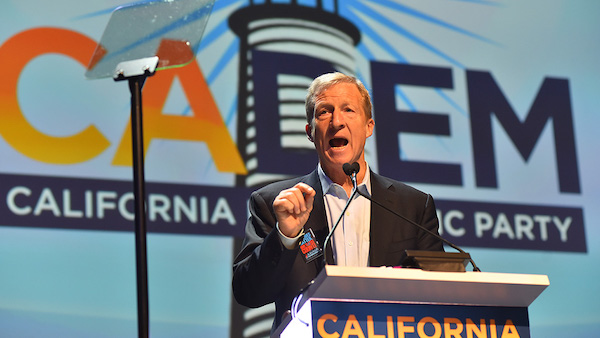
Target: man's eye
{"points": [[322, 113]]}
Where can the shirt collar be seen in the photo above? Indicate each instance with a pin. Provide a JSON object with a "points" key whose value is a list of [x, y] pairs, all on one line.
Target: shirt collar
{"points": [[326, 182]]}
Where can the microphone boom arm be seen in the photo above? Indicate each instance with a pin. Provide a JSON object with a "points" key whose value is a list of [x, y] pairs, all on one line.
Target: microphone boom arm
{"points": [[452, 245], [328, 238], [351, 171]]}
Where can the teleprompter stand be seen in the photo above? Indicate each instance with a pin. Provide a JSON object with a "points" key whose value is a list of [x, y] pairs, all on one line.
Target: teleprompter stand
{"points": [[139, 40], [136, 72]]}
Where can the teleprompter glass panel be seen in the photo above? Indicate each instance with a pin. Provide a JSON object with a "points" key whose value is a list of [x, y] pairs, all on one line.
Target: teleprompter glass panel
{"points": [[171, 30]]}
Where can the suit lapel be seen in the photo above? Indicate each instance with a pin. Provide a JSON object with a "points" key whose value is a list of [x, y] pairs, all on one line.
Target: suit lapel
{"points": [[381, 219], [318, 219]]}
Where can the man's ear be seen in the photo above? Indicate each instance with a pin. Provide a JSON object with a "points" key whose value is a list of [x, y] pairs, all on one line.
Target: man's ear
{"points": [[308, 130], [370, 126]]}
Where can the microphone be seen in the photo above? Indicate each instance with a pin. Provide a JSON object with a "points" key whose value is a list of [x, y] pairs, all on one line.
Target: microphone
{"points": [[351, 169]]}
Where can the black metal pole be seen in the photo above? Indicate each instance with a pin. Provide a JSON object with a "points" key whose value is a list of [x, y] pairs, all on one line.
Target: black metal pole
{"points": [[135, 87]]}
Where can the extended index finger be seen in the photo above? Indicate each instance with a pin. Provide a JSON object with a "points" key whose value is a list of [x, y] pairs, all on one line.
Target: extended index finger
{"points": [[308, 193], [306, 189]]}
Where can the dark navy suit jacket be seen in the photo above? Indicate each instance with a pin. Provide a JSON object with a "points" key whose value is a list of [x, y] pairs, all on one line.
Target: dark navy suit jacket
{"points": [[265, 271]]}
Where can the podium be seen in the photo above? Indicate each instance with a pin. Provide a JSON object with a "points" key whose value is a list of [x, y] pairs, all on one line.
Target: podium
{"points": [[398, 302]]}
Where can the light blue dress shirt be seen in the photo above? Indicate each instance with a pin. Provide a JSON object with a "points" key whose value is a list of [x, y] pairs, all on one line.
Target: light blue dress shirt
{"points": [[351, 239]]}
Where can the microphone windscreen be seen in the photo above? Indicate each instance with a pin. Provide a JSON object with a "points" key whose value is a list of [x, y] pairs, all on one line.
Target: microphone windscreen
{"points": [[350, 169], [347, 167]]}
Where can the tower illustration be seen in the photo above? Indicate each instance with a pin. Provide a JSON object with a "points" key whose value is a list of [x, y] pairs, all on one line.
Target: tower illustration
{"points": [[316, 32]]}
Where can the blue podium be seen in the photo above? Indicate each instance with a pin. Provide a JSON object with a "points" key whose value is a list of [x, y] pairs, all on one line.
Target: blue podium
{"points": [[399, 302]]}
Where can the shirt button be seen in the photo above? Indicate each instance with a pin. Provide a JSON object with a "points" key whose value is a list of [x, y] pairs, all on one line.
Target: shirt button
{"points": [[350, 243]]}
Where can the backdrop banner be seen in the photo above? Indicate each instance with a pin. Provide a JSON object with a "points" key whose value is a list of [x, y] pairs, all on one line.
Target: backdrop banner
{"points": [[489, 106]]}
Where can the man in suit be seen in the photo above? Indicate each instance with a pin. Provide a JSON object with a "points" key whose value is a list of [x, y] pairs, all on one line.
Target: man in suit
{"points": [[270, 267]]}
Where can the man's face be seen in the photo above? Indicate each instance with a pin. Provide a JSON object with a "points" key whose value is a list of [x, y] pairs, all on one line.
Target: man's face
{"points": [[340, 127]]}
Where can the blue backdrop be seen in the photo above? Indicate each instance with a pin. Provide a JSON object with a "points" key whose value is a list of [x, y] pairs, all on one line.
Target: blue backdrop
{"points": [[490, 106]]}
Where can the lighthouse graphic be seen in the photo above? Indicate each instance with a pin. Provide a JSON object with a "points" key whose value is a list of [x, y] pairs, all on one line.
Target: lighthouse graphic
{"points": [[283, 46]]}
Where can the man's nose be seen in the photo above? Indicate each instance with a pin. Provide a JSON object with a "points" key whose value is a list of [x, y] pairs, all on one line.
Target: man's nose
{"points": [[337, 119]]}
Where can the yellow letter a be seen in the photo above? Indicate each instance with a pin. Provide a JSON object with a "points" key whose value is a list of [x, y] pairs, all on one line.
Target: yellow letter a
{"points": [[205, 125], [510, 331]]}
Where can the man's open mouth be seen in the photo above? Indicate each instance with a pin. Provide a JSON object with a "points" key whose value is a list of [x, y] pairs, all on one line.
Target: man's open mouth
{"points": [[338, 142]]}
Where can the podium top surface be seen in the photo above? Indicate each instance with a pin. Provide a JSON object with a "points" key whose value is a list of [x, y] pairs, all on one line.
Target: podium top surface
{"points": [[418, 286]]}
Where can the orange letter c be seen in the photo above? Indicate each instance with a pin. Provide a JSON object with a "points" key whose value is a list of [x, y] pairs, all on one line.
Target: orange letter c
{"points": [[15, 54]]}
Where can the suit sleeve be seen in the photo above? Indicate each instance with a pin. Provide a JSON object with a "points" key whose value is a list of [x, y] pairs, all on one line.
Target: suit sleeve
{"points": [[262, 266], [429, 221]]}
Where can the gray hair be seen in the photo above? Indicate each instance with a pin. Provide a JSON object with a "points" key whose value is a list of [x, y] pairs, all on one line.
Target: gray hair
{"points": [[323, 82]]}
